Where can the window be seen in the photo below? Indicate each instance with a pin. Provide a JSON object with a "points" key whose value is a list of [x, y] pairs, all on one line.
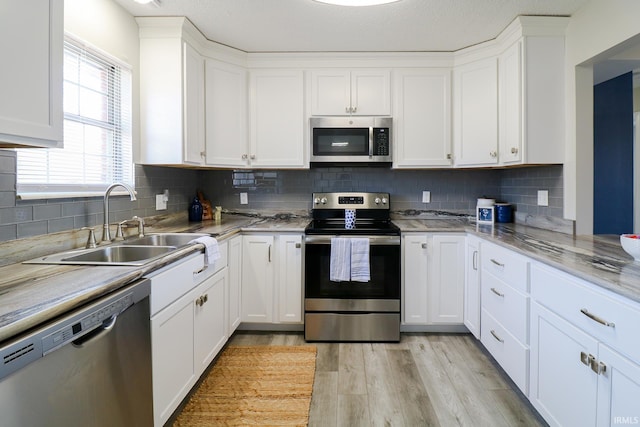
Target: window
{"points": [[97, 131]]}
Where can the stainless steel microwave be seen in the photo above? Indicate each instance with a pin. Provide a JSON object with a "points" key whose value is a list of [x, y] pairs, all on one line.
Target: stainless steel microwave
{"points": [[350, 139]]}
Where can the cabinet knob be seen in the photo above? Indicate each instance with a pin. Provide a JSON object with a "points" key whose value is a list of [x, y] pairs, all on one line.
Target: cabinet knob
{"points": [[514, 150], [253, 157], [245, 157], [493, 154], [203, 154], [347, 109], [298, 245], [449, 156], [423, 246]]}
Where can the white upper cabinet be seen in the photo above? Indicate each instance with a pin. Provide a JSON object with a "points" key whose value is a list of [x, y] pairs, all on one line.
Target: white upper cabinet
{"points": [[171, 98], [475, 113], [226, 114], [532, 101], [422, 118], [362, 92], [31, 39], [277, 120]]}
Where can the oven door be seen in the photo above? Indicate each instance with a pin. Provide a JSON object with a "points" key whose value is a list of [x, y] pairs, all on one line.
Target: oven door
{"points": [[384, 261]]}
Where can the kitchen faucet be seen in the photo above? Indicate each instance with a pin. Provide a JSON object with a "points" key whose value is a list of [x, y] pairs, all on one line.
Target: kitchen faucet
{"points": [[106, 234]]}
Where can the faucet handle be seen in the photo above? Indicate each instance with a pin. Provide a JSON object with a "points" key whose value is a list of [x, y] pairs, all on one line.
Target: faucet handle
{"points": [[91, 240], [119, 232]]}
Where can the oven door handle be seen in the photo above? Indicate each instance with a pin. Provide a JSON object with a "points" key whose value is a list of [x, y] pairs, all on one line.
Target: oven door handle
{"points": [[373, 240]]}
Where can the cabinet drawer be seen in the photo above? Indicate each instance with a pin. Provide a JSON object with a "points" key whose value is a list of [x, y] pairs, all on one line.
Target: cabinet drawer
{"points": [[175, 280], [509, 267], [600, 313], [512, 356], [507, 306]]}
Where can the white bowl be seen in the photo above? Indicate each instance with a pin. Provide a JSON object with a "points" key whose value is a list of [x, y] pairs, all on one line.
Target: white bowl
{"points": [[631, 245]]}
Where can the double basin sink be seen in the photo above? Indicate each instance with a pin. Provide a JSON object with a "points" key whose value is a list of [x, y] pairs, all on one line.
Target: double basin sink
{"points": [[134, 252]]}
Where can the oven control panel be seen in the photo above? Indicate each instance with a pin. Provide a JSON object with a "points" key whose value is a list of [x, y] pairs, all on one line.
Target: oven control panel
{"points": [[351, 201]]}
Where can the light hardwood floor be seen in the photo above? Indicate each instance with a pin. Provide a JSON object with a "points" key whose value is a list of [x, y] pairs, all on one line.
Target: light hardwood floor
{"points": [[425, 380]]}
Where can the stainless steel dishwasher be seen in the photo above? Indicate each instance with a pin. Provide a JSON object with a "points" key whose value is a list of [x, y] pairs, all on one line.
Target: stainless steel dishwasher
{"points": [[90, 367]]}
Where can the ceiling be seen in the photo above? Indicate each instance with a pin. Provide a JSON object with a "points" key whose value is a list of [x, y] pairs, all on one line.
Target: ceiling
{"points": [[309, 26]]}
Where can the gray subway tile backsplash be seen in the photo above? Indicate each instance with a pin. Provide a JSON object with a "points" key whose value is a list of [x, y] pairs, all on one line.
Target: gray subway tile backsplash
{"points": [[282, 190]]}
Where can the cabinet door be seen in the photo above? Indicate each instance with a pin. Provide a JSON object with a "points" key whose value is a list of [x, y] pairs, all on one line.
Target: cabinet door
{"points": [[422, 118], [235, 281], [414, 276], [510, 71], [618, 389], [475, 106], [172, 354], [210, 319], [371, 92], [562, 388], [257, 279], [226, 114], [445, 290], [277, 119], [290, 278], [193, 81], [31, 42], [330, 92], [472, 287]]}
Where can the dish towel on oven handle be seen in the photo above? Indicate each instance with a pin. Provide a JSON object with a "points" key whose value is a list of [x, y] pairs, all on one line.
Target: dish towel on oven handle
{"points": [[340, 261], [349, 260], [211, 249], [360, 270]]}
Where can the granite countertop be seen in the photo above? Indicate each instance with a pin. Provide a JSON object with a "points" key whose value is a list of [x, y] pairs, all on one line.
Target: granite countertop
{"points": [[32, 294], [596, 259]]}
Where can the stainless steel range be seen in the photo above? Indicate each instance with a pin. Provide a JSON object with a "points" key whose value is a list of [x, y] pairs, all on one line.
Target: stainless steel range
{"points": [[352, 269]]}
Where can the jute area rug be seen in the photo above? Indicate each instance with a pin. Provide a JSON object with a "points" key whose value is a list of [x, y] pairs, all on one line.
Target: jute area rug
{"points": [[254, 386]]}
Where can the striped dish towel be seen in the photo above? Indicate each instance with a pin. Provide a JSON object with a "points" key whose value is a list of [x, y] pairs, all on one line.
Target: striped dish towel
{"points": [[340, 261], [360, 271]]}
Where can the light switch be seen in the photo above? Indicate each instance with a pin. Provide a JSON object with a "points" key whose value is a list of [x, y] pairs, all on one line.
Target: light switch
{"points": [[244, 199], [543, 198], [161, 202], [426, 197]]}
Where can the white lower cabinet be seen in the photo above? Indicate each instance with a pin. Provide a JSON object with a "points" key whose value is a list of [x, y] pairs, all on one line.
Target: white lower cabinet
{"points": [[235, 284], [188, 327], [472, 286], [504, 319], [272, 278], [585, 356], [433, 278]]}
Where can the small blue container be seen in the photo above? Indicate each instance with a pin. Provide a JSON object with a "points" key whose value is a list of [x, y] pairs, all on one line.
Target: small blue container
{"points": [[504, 212], [195, 210]]}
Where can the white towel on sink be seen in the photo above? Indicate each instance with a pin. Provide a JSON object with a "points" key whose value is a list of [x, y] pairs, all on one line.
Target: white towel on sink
{"points": [[360, 271], [340, 261], [211, 249]]}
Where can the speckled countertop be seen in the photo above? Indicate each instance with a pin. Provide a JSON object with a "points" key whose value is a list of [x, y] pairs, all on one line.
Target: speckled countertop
{"points": [[596, 259], [32, 294]]}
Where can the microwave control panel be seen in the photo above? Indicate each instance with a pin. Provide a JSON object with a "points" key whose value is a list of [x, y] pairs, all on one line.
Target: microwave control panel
{"points": [[381, 141]]}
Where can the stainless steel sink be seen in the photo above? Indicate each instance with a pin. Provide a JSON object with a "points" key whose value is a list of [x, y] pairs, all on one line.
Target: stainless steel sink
{"points": [[127, 255], [164, 239], [120, 254]]}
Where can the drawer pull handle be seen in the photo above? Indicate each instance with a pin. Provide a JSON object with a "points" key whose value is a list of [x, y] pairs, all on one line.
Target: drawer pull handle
{"points": [[195, 273], [496, 336], [495, 291], [298, 245], [497, 263], [423, 246], [597, 318], [586, 358]]}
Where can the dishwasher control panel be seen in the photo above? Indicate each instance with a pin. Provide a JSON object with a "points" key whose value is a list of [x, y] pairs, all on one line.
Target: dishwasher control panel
{"points": [[76, 328]]}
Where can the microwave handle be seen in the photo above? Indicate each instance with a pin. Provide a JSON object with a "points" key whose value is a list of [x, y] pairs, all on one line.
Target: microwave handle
{"points": [[371, 142]]}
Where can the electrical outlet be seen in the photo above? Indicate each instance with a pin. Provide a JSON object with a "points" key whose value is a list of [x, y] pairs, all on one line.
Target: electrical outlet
{"points": [[244, 199], [426, 197], [161, 202], [543, 198]]}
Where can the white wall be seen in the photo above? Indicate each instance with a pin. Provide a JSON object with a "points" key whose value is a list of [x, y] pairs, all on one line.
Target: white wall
{"points": [[110, 28], [598, 31]]}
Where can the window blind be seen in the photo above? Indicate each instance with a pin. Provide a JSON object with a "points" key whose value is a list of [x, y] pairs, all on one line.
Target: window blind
{"points": [[97, 131]]}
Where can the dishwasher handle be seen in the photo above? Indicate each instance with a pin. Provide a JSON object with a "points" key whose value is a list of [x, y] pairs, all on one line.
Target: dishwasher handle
{"points": [[97, 333]]}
